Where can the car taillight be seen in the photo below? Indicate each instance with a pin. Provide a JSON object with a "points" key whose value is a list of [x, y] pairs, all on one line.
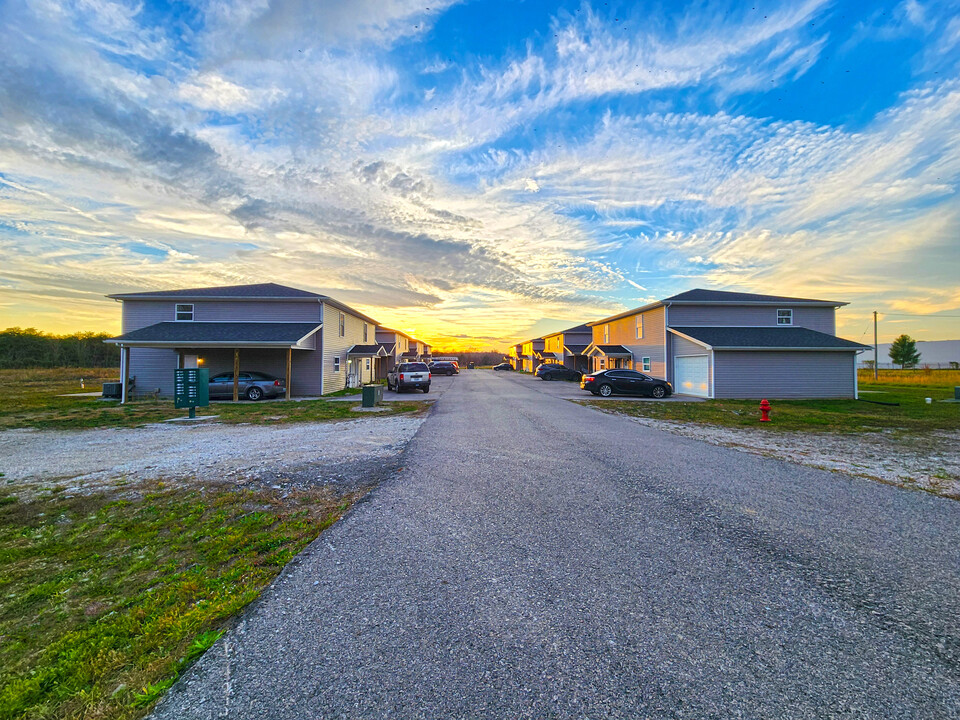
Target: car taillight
{"points": [[401, 376], [276, 383], [589, 379], [429, 375]]}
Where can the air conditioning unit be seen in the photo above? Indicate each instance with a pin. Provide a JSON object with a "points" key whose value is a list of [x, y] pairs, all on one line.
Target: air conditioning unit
{"points": [[112, 390]]}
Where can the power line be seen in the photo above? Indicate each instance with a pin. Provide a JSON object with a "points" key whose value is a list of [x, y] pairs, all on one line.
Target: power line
{"points": [[918, 315]]}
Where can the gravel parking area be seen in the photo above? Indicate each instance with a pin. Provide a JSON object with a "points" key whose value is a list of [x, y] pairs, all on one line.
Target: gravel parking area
{"points": [[295, 454]]}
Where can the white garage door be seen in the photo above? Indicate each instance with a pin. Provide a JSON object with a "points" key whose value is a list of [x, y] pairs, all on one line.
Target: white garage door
{"points": [[692, 375]]}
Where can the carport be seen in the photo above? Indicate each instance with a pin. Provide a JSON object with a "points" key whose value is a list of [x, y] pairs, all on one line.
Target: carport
{"points": [[219, 346]]}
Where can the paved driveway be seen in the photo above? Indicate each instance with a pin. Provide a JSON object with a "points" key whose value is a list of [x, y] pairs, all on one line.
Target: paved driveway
{"points": [[569, 390], [538, 559]]}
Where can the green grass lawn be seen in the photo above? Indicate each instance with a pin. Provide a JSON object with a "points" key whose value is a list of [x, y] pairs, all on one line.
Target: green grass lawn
{"points": [[912, 414], [31, 399], [104, 602]]}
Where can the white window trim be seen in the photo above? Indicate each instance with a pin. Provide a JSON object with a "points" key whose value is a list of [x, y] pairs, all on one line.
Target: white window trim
{"points": [[606, 334], [343, 325], [790, 316], [639, 327], [365, 332], [177, 311], [336, 364], [645, 364]]}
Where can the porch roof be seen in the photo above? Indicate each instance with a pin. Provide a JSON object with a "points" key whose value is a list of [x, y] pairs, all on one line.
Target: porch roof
{"points": [[195, 334], [367, 351], [576, 349], [607, 351]]}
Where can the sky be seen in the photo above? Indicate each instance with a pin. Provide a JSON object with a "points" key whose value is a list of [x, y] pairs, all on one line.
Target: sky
{"points": [[477, 173]]}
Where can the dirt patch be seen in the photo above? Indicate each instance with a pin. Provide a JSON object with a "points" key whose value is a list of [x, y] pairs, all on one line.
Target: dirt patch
{"points": [[929, 462], [350, 455]]}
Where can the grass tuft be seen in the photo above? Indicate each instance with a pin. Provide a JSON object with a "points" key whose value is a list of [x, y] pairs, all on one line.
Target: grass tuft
{"points": [[105, 602]]}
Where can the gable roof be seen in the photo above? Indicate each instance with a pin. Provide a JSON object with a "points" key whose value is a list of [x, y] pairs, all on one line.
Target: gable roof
{"points": [[575, 349], [258, 291], [582, 329], [699, 295], [719, 297], [765, 338], [216, 334], [607, 350]]}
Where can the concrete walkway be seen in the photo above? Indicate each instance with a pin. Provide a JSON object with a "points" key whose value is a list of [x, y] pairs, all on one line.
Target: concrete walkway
{"points": [[538, 559]]}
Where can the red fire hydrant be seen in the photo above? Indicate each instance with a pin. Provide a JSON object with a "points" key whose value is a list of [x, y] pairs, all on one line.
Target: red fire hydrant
{"points": [[764, 411]]}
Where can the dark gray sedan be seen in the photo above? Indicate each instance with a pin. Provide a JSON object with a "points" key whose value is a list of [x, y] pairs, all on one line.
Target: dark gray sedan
{"points": [[252, 385]]}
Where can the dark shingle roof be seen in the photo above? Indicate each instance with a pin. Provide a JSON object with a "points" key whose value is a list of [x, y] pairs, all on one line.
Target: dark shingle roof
{"points": [[576, 349], [387, 347], [364, 350], [613, 349], [720, 296], [259, 290], [584, 329], [199, 334], [767, 338]]}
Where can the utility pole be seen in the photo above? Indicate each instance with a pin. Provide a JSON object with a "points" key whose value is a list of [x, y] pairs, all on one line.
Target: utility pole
{"points": [[875, 353]]}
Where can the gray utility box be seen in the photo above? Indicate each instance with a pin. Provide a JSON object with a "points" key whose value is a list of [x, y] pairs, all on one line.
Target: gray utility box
{"points": [[371, 395], [112, 390]]}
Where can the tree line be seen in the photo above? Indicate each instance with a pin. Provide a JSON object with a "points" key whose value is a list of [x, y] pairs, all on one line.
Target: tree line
{"points": [[31, 348]]}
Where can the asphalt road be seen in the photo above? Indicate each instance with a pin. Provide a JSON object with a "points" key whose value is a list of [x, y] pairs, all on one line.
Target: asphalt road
{"points": [[538, 559]]}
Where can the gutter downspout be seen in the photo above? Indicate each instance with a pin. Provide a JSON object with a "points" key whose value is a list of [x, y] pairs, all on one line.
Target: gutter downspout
{"points": [[323, 345], [667, 365]]}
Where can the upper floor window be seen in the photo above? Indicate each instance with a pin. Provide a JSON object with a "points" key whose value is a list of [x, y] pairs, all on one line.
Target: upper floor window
{"points": [[606, 334], [784, 317], [184, 312], [364, 332], [343, 325], [639, 327]]}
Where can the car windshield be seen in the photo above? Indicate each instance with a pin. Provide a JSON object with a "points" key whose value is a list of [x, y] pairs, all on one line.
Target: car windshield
{"points": [[413, 367]]}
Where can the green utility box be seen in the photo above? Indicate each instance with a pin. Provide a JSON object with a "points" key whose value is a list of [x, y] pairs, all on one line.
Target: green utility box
{"points": [[371, 395], [191, 388]]}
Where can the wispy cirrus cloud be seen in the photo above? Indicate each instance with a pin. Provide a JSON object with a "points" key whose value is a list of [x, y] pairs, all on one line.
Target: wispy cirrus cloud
{"points": [[351, 148]]}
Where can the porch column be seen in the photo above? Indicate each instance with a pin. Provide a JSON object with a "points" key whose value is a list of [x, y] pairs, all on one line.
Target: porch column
{"points": [[236, 374], [124, 373], [289, 363]]}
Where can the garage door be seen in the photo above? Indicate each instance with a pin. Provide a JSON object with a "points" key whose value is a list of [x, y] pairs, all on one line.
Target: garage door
{"points": [[692, 375]]}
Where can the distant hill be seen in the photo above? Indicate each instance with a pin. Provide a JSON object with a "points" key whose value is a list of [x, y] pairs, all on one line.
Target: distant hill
{"points": [[935, 353]]}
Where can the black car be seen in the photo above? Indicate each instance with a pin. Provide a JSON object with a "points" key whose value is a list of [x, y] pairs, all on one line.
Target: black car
{"points": [[471, 366], [625, 382], [443, 367], [503, 366], [556, 371]]}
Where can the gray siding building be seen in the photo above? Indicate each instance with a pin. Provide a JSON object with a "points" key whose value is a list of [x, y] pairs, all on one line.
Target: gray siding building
{"points": [[715, 344], [317, 344]]}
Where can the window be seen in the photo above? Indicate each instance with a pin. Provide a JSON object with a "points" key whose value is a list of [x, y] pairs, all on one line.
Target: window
{"points": [[645, 363], [784, 317], [368, 359], [184, 312], [336, 361], [602, 363], [606, 334], [343, 322], [365, 334], [639, 327]]}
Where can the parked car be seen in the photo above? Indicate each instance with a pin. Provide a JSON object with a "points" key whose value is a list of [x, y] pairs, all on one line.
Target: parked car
{"points": [[471, 366], [252, 385], [409, 376], [443, 367], [625, 382], [503, 366], [556, 371]]}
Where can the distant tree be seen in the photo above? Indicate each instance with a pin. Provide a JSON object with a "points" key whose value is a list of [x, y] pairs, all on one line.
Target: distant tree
{"points": [[954, 365], [30, 348], [868, 364], [904, 352]]}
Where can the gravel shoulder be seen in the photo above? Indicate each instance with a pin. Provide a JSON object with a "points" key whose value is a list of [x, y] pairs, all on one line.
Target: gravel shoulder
{"points": [[929, 462], [292, 454]]}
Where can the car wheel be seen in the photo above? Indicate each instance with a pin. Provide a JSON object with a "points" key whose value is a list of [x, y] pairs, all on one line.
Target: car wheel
{"points": [[659, 392], [254, 393], [606, 390], [426, 389], [396, 388]]}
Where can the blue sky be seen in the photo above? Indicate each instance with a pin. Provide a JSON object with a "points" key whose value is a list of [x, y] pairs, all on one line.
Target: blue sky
{"points": [[477, 172]]}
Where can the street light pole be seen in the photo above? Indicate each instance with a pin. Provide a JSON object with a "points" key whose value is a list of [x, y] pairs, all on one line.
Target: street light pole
{"points": [[875, 353]]}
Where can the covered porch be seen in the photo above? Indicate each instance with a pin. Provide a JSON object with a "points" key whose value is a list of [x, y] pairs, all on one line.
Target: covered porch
{"points": [[289, 351], [607, 357], [363, 364]]}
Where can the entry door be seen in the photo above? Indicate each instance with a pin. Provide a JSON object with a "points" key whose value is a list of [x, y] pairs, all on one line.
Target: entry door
{"points": [[692, 375]]}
